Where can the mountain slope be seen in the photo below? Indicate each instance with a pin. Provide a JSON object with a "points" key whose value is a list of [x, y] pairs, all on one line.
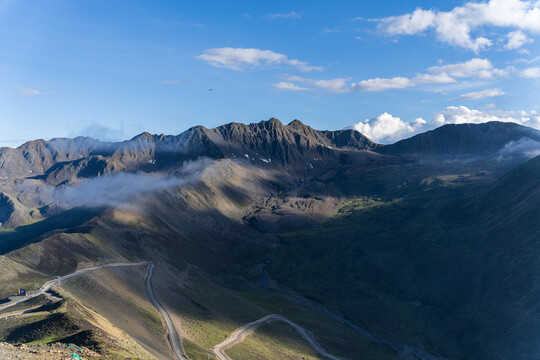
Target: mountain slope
{"points": [[380, 254], [464, 139]]}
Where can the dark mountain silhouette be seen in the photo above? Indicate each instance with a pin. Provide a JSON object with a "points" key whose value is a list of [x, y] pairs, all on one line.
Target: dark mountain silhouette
{"points": [[463, 139]]}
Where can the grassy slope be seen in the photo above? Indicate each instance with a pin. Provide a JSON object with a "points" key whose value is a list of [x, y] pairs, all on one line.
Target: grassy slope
{"points": [[273, 341], [69, 323], [386, 262], [210, 308], [383, 264]]}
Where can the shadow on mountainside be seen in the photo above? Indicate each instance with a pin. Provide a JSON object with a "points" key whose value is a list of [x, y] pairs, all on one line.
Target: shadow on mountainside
{"points": [[28, 234]]}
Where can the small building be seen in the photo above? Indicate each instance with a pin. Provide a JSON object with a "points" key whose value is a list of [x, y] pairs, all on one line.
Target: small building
{"points": [[21, 292]]}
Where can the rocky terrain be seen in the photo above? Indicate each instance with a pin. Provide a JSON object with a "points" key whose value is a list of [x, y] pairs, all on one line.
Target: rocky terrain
{"points": [[425, 248], [44, 352]]}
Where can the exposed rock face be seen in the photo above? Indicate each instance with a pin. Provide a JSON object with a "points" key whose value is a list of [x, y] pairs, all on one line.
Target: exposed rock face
{"points": [[36, 157], [267, 143], [294, 145]]}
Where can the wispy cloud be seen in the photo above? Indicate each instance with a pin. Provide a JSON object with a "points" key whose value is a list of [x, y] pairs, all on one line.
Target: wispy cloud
{"points": [[516, 39], [381, 84], [528, 61], [440, 78], [290, 15], [530, 73], [474, 68], [240, 59], [30, 92], [122, 188], [476, 95], [338, 85], [455, 27], [331, 30], [285, 85], [441, 74]]}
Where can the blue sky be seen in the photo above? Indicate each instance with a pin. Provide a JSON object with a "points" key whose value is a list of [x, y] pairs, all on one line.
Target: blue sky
{"points": [[390, 69]]}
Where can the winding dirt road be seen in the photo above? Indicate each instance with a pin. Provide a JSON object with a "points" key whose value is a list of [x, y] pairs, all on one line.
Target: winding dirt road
{"points": [[48, 285], [240, 334], [172, 335]]}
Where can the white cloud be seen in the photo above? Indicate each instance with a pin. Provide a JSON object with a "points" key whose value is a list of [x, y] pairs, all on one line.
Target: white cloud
{"points": [[455, 26], [242, 58], [386, 128], [525, 146], [421, 79], [291, 15], [516, 39], [30, 92], [339, 85], [334, 85], [474, 68], [475, 95], [442, 74], [285, 85], [531, 73], [331, 30], [409, 24], [380, 84], [529, 61], [464, 115]]}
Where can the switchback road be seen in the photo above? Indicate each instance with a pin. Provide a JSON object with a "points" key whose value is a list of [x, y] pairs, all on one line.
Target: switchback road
{"points": [[240, 334]]}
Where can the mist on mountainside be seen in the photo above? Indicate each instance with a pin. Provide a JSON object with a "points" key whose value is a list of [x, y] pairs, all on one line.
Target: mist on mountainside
{"points": [[122, 188], [330, 226]]}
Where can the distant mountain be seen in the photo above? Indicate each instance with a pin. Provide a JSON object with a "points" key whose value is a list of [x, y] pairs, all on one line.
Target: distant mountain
{"points": [[36, 157], [268, 143], [464, 139]]}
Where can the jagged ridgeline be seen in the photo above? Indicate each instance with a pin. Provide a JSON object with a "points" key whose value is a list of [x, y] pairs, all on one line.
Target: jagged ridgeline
{"points": [[293, 145], [422, 249]]}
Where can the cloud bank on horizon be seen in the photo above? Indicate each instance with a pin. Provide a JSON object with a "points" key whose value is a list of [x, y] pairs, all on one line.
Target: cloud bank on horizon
{"points": [[387, 129]]}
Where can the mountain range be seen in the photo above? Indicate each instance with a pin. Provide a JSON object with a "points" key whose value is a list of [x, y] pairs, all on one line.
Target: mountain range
{"points": [[425, 248]]}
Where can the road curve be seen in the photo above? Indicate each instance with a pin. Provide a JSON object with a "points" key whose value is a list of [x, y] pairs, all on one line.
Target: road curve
{"points": [[172, 335], [48, 285], [239, 334]]}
